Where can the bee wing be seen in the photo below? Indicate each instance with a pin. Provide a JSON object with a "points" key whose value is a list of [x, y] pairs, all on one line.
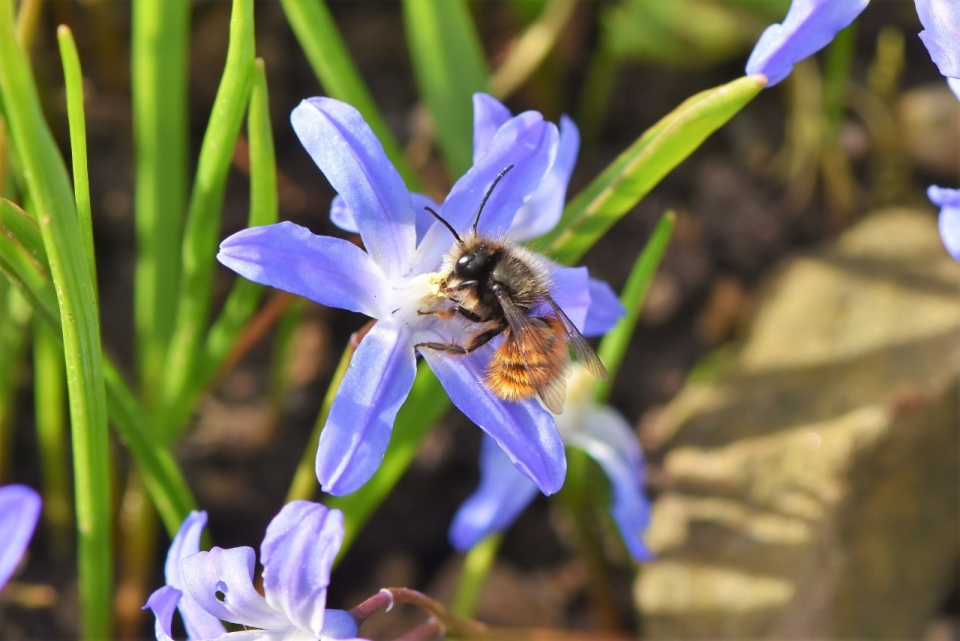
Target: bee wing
{"points": [[555, 393], [528, 335], [585, 354]]}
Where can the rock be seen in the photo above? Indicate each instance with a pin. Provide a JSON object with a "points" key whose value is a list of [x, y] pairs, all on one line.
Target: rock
{"points": [[811, 487]]}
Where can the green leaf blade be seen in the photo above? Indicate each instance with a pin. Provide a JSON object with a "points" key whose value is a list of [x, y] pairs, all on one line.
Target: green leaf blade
{"points": [[203, 217], [638, 169], [614, 345], [159, 75], [321, 42], [49, 188], [449, 66], [164, 481]]}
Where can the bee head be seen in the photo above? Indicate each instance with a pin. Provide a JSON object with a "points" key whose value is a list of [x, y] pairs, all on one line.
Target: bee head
{"points": [[472, 263]]}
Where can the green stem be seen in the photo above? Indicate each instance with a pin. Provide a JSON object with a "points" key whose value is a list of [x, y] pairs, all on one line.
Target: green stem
{"points": [[49, 189], [836, 73], [159, 48], [283, 343], [321, 42], [23, 260], [476, 568], [138, 529], [15, 315], [50, 396], [304, 484], [203, 216], [614, 345], [73, 79]]}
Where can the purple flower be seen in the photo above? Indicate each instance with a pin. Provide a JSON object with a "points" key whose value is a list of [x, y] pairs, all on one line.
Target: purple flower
{"points": [[810, 25], [954, 84], [397, 276], [601, 432], [208, 587], [949, 202], [19, 511], [941, 33]]}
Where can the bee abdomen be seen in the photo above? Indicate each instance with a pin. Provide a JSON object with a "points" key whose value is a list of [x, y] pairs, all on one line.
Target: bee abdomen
{"points": [[518, 371]]}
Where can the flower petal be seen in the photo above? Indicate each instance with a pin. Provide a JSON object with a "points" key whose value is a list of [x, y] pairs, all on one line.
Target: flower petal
{"points": [[571, 292], [949, 202], [348, 153], [338, 624], [502, 495], [330, 271], [342, 217], [526, 142], [542, 212], [608, 438], [19, 511], [941, 34], [297, 553], [357, 432], [489, 115], [162, 603], [229, 573], [605, 309], [199, 623], [810, 25], [525, 430], [954, 84]]}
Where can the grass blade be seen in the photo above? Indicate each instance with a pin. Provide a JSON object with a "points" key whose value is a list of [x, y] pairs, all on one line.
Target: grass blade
{"points": [[15, 315], [325, 50], [614, 344], [159, 48], [50, 401], [450, 67], [162, 476], [304, 484], [49, 189], [73, 79], [531, 48], [264, 210], [203, 216], [638, 169]]}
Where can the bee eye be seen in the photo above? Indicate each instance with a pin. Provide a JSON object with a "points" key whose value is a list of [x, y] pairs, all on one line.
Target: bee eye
{"points": [[468, 266]]}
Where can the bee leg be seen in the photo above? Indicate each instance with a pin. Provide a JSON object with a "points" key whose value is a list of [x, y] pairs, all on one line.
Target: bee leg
{"points": [[445, 313], [477, 341], [449, 312], [450, 348]]}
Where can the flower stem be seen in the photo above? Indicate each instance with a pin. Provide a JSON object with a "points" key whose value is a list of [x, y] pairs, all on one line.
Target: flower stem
{"points": [[50, 399], [304, 484], [476, 568]]}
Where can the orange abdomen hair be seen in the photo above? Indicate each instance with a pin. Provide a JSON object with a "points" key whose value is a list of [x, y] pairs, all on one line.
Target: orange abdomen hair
{"points": [[523, 366]]}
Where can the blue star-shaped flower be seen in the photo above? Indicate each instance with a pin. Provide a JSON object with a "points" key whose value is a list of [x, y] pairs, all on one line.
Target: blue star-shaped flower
{"points": [[396, 278], [949, 202], [600, 431], [297, 553], [811, 25], [19, 511]]}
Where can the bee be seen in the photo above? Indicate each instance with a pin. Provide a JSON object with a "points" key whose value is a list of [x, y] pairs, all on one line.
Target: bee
{"points": [[505, 289]]}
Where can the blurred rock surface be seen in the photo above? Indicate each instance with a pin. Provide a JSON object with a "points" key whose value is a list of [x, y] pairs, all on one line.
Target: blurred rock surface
{"points": [[929, 119], [811, 488]]}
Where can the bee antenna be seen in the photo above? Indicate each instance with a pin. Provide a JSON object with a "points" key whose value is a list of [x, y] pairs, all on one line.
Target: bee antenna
{"points": [[487, 196], [446, 224]]}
